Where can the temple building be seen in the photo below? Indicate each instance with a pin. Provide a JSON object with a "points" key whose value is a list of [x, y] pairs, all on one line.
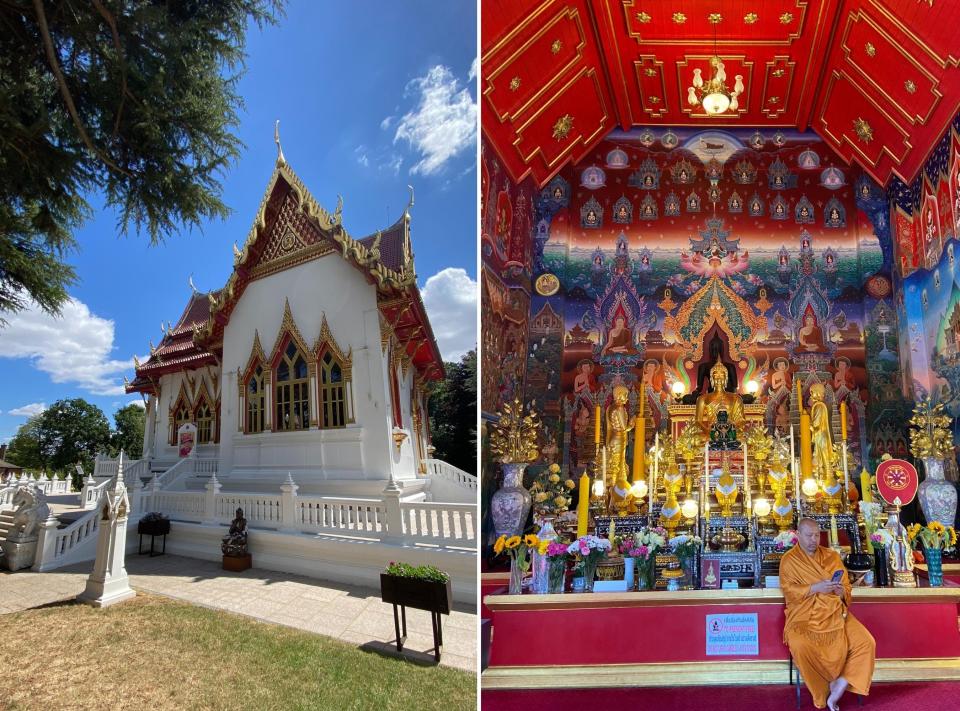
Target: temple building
{"points": [[313, 359], [743, 221]]}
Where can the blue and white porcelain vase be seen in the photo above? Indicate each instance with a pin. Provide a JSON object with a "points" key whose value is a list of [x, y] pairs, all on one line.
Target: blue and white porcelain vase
{"points": [[510, 505], [938, 497]]}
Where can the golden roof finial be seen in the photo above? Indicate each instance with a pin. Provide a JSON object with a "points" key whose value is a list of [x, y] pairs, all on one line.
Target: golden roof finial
{"points": [[276, 139]]}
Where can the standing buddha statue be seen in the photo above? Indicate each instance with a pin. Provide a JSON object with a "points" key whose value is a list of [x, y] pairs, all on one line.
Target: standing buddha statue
{"points": [[820, 434], [619, 425]]}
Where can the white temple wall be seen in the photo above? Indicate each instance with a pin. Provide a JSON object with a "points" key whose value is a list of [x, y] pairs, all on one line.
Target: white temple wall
{"points": [[170, 385], [330, 286]]}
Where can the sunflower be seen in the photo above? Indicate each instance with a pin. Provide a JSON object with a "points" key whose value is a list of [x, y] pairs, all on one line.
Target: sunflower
{"points": [[936, 527], [953, 535], [498, 546], [531, 540], [512, 542], [542, 548]]}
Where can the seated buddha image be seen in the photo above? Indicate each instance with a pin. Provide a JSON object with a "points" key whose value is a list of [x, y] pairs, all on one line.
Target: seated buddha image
{"points": [[779, 209], [719, 407], [619, 338], [591, 218], [810, 335], [622, 212]]}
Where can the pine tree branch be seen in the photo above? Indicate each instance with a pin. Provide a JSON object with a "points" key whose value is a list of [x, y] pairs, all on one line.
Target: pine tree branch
{"points": [[65, 91], [112, 24]]}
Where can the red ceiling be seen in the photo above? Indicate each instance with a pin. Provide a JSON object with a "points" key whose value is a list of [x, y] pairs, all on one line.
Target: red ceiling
{"points": [[889, 66]]}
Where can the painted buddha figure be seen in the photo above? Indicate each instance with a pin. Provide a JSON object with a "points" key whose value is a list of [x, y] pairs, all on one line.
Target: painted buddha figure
{"points": [[710, 405], [810, 334], [619, 338], [619, 424]]}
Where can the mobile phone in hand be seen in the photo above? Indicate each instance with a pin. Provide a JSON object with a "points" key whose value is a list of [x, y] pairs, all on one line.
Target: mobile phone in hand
{"points": [[837, 575]]}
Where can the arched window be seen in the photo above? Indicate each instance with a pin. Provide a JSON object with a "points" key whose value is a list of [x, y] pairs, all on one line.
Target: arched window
{"points": [[292, 390], [395, 395], [181, 416], [333, 395], [256, 401], [204, 423]]}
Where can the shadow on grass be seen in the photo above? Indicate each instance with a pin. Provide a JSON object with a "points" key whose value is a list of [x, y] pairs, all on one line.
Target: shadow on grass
{"points": [[389, 650]]}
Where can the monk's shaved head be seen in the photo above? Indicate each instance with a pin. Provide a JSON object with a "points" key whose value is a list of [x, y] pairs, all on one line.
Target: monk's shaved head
{"points": [[808, 535]]}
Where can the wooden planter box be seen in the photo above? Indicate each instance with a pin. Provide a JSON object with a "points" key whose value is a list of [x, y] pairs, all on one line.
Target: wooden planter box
{"points": [[420, 594]]}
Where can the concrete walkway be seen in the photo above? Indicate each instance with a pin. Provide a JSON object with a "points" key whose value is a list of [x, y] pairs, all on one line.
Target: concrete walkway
{"points": [[352, 614]]}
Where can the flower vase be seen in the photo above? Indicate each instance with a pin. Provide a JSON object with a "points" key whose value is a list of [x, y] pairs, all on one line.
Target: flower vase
{"points": [[516, 578], [590, 564], [629, 572], [557, 574], [540, 563], [882, 571], [934, 557], [510, 504], [938, 497], [644, 571]]}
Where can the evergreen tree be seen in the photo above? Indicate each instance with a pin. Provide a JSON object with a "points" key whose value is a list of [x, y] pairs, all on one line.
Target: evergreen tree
{"points": [[71, 431], [134, 99], [453, 414], [24, 449]]}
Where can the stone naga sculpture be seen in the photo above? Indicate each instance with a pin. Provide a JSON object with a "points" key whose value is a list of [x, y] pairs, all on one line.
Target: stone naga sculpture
{"points": [[30, 510]]}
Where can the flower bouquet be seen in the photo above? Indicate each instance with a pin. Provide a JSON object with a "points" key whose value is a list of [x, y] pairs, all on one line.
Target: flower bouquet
{"points": [[642, 548], [871, 520], [934, 537], [685, 547], [551, 496], [557, 556], [590, 550], [519, 551], [784, 541]]}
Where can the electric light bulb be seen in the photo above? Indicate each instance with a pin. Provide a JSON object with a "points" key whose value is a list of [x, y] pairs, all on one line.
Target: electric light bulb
{"points": [[810, 487], [761, 507], [598, 488], [689, 509], [752, 387], [639, 489], [715, 103], [678, 388]]}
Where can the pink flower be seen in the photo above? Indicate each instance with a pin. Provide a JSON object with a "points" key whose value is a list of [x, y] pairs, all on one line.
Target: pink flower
{"points": [[584, 549], [643, 551]]}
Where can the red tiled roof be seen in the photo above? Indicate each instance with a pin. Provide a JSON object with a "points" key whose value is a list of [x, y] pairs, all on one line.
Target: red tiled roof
{"points": [[391, 245]]}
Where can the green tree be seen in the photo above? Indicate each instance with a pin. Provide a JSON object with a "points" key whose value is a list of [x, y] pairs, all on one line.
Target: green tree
{"points": [[132, 98], [24, 448], [128, 434], [453, 414], [71, 431]]}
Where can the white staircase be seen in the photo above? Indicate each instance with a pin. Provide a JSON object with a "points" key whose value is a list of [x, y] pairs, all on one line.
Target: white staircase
{"points": [[448, 483]]}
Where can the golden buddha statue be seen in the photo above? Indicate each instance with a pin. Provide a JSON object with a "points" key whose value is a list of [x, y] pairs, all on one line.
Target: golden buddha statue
{"points": [[820, 437], [619, 424], [718, 400], [726, 489]]}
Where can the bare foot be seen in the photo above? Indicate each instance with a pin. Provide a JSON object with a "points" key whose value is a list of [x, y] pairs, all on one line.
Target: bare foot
{"points": [[837, 687]]}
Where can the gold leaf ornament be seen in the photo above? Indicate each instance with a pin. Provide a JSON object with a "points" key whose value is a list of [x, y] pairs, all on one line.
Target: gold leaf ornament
{"points": [[561, 129], [513, 438], [930, 431]]}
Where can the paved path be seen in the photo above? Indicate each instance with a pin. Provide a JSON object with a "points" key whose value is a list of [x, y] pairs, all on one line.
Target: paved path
{"points": [[352, 614]]}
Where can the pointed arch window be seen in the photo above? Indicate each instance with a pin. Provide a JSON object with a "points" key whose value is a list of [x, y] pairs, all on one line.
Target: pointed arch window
{"points": [[333, 392], [256, 401], [204, 422], [292, 390], [180, 414]]}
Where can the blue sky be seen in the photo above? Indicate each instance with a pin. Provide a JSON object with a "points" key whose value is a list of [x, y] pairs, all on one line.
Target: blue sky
{"points": [[371, 97]]}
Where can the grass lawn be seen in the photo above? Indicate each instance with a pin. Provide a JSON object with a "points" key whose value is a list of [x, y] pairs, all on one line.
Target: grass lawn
{"points": [[155, 653]]}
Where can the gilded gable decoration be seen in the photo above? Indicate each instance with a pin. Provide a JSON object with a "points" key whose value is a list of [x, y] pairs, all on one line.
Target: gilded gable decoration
{"points": [[683, 172], [326, 342], [256, 355], [289, 326]]}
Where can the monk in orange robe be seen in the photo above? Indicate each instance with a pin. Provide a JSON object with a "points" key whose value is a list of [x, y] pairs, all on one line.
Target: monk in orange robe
{"points": [[832, 650]]}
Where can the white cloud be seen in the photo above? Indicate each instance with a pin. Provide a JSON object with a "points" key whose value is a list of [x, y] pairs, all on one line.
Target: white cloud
{"points": [[385, 124], [451, 300], [393, 164], [472, 74], [443, 124], [34, 408], [74, 348], [361, 153], [138, 402]]}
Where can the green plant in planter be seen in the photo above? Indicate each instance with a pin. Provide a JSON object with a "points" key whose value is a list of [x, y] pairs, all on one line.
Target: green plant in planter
{"points": [[418, 572]]}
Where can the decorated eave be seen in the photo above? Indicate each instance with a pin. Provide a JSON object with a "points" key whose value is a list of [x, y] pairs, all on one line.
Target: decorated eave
{"points": [[384, 258], [177, 350]]}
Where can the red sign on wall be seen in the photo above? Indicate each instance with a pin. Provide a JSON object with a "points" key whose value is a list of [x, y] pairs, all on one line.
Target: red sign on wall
{"points": [[897, 481]]}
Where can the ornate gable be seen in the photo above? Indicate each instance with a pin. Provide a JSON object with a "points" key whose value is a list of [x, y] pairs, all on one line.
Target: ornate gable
{"points": [[288, 327]]}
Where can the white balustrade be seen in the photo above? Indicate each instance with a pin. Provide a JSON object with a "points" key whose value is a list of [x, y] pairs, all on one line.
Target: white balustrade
{"points": [[442, 470], [259, 509], [429, 522], [183, 505], [325, 514], [206, 467]]}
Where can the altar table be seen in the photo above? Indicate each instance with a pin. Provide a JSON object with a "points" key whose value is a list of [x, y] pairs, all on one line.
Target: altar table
{"points": [[590, 640]]}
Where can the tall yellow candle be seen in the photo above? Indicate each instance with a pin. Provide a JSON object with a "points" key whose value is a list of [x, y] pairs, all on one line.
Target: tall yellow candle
{"points": [[843, 420], [596, 425], [639, 441], [866, 495], [806, 446], [583, 505]]}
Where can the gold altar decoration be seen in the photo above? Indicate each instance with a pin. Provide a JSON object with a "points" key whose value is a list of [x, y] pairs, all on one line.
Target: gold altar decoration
{"points": [[930, 431], [551, 496], [622, 500], [760, 446], [726, 489], [513, 438], [728, 540], [778, 477], [670, 513]]}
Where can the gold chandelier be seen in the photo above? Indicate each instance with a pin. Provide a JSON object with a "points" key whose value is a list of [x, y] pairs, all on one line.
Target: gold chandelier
{"points": [[713, 93]]}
